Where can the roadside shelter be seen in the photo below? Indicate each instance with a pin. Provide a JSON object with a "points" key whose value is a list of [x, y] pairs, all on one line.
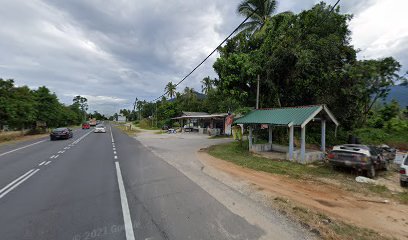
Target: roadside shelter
{"points": [[202, 122], [289, 117]]}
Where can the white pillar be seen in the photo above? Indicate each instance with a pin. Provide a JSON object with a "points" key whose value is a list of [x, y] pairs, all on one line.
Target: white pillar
{"points": [[270, 134], [323, 145], [250, 138], [291, 143], [303, 144]]}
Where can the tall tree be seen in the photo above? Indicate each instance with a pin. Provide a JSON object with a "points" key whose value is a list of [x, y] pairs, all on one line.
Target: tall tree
{"points": [[262, 11], [207, 85], [170, 89], [82, 103]]}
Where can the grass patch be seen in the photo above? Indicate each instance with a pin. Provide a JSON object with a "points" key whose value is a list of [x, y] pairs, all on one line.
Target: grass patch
{"points": [[380, 189], [220, 137], [131, 131], [403, 197], [234, 152], [322, 225]]}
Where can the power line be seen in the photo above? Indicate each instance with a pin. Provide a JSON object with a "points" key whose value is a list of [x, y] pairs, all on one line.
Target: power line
{"points": [[205, 59]]}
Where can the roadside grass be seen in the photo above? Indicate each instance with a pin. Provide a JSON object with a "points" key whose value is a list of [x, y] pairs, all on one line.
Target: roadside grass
{"points": [[321, 225], [238, 154], [219, 137], [235, 153], [129, 131]]}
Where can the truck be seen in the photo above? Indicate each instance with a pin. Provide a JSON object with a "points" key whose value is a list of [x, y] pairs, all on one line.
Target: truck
{"points": [[92, 122]]}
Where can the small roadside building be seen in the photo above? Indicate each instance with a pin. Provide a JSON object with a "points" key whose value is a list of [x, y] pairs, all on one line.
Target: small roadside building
{"points": [[291, 118], [202, 122]]}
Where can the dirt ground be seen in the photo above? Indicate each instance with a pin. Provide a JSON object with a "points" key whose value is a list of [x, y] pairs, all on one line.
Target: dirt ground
{"points": [[389, 219]]}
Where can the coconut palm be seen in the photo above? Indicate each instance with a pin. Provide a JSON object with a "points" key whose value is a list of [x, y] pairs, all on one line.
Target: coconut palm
{"points": [[207, 85], [263, 12], [170, 89]]}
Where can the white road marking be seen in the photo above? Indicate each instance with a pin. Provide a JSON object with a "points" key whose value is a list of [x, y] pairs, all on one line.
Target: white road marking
{"points": [[20, 182], [56, 156], [47, 163], [114, 152], [114, 149], [66, 148], [111, 134], [16, 180], [62, 151], [53, 156], [125, 207], [29, 145], [116, 157], [41, 163]]}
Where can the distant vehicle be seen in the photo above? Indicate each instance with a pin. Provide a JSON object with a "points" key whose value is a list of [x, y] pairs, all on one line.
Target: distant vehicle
{"points": [[404, 172], [92, 122], [100, 129], [86, 126], [98, 122], [61, 133], [360, 157]]}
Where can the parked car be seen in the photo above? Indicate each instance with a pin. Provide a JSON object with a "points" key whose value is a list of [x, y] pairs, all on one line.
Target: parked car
{"points": [[61, 133], [404, 171], [361, 157], [100, 129], [388, 152], [86, 126]]}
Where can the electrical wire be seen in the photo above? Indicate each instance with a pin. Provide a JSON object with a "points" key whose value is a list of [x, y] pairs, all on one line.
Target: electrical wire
{"points": [[205, 59]]}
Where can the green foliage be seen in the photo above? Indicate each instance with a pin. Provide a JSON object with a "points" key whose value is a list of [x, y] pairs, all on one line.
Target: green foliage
{"points": [[21, 107]]}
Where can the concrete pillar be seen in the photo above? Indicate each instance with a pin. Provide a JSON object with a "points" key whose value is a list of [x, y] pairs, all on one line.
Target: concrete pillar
{"points": [[250, 138], [270, 134], [323, 145], [303, 144], [291, 143]]}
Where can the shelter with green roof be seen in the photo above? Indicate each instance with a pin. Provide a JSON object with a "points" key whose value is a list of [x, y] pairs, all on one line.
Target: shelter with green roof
{"points": [[290, 117]]}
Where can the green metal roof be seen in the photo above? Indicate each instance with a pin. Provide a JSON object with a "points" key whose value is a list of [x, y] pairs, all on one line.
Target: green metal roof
{"points": [[298, 116]]}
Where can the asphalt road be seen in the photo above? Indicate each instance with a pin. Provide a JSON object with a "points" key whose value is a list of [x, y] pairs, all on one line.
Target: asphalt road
{"points": [[105, 186]]}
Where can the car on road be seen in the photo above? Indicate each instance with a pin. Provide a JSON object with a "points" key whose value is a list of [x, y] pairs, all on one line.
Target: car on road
{"points": [[404, 171], [61, 133], [360, 157], [100, 129], [86, 126]]}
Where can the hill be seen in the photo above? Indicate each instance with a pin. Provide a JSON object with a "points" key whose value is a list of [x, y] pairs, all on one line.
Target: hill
{"points": [[400, 94]]}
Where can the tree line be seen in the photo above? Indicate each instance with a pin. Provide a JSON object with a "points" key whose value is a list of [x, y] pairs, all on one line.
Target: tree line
{"points": [[24, 108], [301, 59]]}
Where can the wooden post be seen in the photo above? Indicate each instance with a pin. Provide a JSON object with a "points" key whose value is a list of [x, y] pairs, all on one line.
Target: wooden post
{"points": [[291, 143], [303, 144], [250, 138], [323, 145]]}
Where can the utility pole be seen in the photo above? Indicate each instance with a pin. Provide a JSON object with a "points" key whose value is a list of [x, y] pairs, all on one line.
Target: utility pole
{"points": [[257, 93]]}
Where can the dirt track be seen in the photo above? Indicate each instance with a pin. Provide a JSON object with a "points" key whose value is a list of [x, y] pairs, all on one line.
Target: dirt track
{"points": [[389, 219]]}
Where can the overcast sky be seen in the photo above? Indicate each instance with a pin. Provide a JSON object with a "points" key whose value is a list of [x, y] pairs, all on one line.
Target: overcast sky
{"points": [[114, 51]]}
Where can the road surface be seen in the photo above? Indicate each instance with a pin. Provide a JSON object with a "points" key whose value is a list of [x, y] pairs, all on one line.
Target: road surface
{"points": [[105, 186]]}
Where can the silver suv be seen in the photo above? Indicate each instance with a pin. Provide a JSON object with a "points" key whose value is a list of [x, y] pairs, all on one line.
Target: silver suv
{"points": [[361, 157], [404, 170]]}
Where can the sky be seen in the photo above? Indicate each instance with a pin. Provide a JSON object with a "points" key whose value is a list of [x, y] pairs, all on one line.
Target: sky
{"points": [[114, 51]]}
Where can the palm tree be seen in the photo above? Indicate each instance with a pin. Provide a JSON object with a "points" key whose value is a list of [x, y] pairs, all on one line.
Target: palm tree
{"points": [[263, 12], [207, 85], [170, 89]]}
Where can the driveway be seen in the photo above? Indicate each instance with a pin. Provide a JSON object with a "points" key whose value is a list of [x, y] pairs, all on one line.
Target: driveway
{"points": [[181, 151]]}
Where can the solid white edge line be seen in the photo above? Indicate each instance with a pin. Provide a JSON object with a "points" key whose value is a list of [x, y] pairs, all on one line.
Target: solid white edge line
{"points": [[41, 163], [20, 182], [2, 154], [125, 207], [16, 180]]}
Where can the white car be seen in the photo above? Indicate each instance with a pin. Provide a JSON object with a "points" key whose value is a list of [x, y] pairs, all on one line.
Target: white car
{"points": [[100, 129], [404, 171]]}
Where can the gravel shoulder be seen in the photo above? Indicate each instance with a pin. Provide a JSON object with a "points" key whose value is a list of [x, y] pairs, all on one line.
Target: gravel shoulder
{"points": [[181, 151]]}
